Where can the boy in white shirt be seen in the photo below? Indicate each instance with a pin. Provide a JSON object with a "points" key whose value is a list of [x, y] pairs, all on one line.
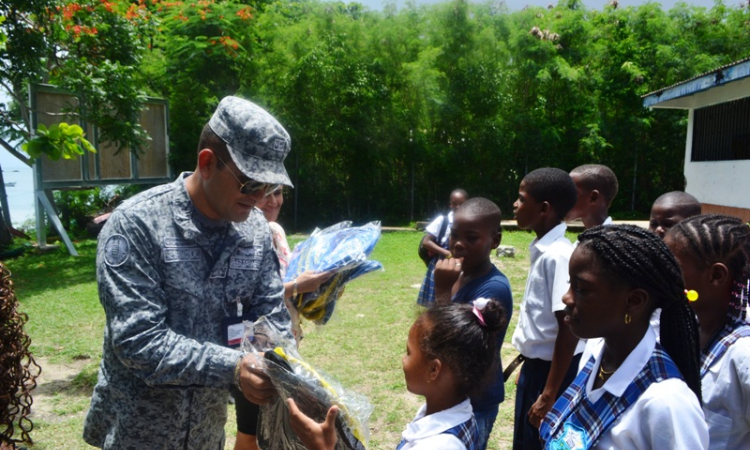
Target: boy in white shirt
{"points": [[550, 350]]}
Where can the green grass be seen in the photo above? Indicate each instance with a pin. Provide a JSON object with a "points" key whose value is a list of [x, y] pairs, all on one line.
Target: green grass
{"points": [[361, 345]]}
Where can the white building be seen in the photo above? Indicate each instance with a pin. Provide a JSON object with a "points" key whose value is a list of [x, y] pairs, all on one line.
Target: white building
{"points": [[717, 150]]}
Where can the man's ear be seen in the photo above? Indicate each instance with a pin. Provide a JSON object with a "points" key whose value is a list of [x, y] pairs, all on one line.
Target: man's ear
{"points": [[545, 207], [206, 162]]}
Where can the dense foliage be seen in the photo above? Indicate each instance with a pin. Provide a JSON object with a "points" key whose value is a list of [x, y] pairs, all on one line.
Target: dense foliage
{"points": [[91, 47], [390, 110]]}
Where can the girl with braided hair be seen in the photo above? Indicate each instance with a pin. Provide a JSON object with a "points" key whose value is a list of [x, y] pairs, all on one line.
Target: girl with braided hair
{"points": [[714, 254], [633, 393]]}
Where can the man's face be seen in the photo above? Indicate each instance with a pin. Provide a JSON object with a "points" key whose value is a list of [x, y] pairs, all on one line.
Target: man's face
{"points": [[223, 196]]}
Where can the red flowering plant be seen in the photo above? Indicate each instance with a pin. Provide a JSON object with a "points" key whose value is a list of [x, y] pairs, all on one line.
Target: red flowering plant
{"points": [[98, 47], [215, 29]]}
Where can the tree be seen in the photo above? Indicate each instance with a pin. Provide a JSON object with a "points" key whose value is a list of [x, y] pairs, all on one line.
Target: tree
{"points": [[92, 48]]}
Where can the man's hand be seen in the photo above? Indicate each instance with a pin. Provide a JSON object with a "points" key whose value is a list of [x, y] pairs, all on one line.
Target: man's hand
{"points": [[256, 386], [540, 408], [314, 435]]}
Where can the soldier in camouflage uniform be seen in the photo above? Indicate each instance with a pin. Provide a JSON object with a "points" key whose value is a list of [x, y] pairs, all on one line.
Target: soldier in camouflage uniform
{"points": [[174, 264]]}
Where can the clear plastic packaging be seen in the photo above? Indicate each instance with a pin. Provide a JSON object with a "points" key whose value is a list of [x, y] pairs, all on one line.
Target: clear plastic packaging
{"points": [[341, 248], [313, 391]]}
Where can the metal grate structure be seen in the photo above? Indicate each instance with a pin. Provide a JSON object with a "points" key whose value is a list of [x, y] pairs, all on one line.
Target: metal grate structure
{"points": [[722, 132]]}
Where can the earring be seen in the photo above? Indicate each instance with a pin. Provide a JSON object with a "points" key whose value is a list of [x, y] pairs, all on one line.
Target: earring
{"points": [[627, 319], [691, 295]]}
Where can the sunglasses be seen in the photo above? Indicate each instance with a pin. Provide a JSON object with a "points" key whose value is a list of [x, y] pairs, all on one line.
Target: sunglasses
{"points": [[250, 187]]}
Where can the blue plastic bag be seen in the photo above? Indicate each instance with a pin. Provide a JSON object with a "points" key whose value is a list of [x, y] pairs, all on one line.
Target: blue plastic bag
{"points": [[340, 248]]}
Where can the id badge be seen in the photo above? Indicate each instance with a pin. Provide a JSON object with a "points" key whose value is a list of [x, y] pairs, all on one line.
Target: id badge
{"points": [[234, 330]]}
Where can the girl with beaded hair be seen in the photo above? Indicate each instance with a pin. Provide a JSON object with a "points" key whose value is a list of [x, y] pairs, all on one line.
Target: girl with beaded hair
{"points": [[714, 254], [633, 392], [18, 370]]}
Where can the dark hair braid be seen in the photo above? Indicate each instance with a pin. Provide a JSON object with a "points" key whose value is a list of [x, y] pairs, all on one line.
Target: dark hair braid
{"points": [[453, 334], [725, 239], [642, 260], [18, 370]]}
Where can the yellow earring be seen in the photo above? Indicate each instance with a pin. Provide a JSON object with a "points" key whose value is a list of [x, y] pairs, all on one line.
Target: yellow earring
{"points": [[691, 295], [627, 319]]}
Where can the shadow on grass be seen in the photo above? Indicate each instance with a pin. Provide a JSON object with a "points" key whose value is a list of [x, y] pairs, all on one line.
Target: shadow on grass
{"points": [[35, 273]]}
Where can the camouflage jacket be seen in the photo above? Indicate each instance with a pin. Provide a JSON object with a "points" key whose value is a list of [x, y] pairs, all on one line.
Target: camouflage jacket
{"points": [[165, 375]]}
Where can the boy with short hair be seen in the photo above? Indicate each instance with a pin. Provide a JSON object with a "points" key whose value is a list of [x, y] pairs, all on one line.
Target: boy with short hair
{"points": [[436, 244], [549, 349], [596, 186], [469, 274], [670, 209]]}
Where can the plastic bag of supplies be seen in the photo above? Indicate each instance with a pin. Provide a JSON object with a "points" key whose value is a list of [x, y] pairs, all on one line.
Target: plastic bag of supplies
{"points": [[313, 391], [341, 248]]}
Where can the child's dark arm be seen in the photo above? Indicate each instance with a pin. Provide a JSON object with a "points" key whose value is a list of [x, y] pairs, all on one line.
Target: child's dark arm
{"points": [[430, 243], [565, 346]]}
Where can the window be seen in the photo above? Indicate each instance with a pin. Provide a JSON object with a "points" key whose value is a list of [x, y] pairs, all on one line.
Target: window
{"points": [[722, 132]]}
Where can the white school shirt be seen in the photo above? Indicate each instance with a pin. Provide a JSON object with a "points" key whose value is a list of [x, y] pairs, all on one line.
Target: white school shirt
{"points": [[726, 398], [667, 415], [434, 229], [548, 281], [428, 432]]}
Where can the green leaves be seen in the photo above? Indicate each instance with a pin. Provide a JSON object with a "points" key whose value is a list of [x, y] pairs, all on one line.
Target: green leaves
{"points": [[58, 141]]}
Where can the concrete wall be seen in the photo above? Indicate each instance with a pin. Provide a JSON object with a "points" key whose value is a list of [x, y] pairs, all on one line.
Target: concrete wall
{"points": [[723, 187]]}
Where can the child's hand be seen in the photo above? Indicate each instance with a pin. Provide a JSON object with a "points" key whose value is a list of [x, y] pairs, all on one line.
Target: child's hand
{"points": [[539, 409], [314, 435], [446, 274]]}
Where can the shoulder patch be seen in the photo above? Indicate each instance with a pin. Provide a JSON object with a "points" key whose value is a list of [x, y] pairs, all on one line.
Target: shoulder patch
{"points": [[116, 250]]}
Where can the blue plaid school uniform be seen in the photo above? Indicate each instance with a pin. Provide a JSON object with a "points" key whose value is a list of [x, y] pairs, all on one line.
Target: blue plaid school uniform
{"points": [[427, 291], [466, 432], [724, 339], [426, 295], [576, 423]]}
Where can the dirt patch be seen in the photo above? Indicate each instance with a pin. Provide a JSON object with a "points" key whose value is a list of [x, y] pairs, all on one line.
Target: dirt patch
{"points": [[54, 379]]}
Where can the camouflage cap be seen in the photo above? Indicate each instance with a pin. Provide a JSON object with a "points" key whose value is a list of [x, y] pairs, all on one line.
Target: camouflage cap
{"points": [[256, 141]]}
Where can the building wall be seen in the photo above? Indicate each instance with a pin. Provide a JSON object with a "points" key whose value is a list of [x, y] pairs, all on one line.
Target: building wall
{"points": [[742, 213], [723, 187]]}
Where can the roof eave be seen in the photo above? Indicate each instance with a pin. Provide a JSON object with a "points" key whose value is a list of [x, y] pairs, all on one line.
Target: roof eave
{"points": [[717, 77]]}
